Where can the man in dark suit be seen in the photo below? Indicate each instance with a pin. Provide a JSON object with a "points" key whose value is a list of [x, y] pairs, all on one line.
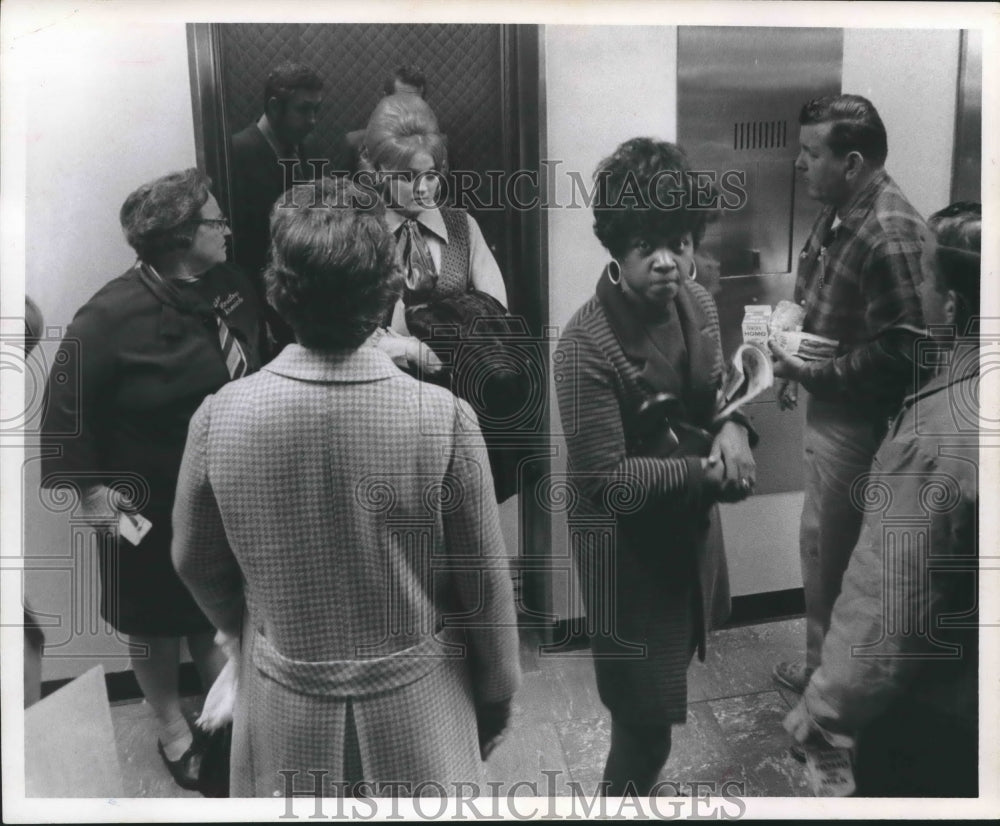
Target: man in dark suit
{"points": [[352, 152], [292, 96]]}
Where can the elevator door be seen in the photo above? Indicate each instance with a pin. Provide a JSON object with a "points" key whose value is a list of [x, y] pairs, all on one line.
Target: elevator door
{"points": [[738, 99], [968, 163], [482, 83], [467, 86], [739, 93]]}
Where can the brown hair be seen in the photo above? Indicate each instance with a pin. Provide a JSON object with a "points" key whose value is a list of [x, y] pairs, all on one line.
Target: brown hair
{"points": [[857, 126], [332, 274], [958, 230], [160, 215]]}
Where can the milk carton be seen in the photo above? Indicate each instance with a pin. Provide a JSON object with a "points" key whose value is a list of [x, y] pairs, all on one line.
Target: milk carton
{"points": [[756, 320]]}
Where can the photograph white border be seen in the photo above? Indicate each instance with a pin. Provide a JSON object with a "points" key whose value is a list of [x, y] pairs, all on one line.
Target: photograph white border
{"points": [[20, 19]]}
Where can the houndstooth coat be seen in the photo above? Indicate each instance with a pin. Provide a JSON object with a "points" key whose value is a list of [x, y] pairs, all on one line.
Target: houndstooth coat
{"points": [[342, 514]]}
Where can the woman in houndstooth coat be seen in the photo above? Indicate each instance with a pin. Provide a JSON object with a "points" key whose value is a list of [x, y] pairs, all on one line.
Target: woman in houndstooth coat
{"points": [[339, 515]]}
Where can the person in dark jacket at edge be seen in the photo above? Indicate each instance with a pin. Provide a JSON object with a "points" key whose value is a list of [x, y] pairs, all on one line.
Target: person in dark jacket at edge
{"points": [[899, 676]]}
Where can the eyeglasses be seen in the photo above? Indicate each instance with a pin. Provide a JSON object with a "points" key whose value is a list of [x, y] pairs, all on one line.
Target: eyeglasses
{"points": [[220, 223]]}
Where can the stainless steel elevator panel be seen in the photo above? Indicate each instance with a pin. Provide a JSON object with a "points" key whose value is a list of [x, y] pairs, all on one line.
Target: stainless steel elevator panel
{"points": [[968, 165], [739, 93]]}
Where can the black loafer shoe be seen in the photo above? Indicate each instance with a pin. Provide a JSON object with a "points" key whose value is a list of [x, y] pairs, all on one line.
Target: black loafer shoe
{"points": [[186, 768]]}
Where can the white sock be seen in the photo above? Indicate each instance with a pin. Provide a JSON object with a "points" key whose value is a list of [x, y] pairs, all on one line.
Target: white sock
{"points": [[175, 737]]}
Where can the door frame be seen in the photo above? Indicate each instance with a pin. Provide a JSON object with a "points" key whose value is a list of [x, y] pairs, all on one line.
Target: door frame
{"points": [[526, 238]]}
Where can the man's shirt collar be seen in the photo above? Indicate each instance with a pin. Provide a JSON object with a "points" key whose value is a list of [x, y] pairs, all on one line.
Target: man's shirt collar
{"points": [[857, 208], [280, 150]]}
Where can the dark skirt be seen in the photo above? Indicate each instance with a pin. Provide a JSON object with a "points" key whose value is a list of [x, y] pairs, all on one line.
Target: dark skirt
{"points": [[645, 620], [140, 590]]}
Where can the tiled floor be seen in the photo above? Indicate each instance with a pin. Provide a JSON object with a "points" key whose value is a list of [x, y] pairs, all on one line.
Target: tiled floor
{"points": [[733, 730], [560, 731]]}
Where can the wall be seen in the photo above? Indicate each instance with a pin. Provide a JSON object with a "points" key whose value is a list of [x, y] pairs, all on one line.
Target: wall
{"points": [[106, 109], [603, 85], [606, 84], [912, 78]]}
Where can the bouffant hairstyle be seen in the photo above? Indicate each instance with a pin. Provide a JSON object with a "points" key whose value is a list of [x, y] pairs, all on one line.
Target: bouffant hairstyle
{"points": [[401, 126], [332, 274], [643, 190], [857, 126], [161, 216], [957, 264]]}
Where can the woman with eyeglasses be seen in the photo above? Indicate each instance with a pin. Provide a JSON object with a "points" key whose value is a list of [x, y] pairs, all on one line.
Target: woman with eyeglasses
{"points": [[141, 355]]}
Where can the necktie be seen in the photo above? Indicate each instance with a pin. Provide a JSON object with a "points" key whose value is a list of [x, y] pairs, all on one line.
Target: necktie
{"points": [[232, 351], [421, 274]]}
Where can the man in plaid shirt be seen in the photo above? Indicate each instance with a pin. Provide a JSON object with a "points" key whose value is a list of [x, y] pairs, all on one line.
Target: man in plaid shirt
{"points": [[857, 281]]}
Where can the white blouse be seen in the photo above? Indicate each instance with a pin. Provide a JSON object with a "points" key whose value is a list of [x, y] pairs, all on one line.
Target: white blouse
{"points": [[483, 270]]}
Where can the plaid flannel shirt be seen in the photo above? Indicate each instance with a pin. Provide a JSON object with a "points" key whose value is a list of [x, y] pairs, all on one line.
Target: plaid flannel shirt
{"points": [[856, 283]]}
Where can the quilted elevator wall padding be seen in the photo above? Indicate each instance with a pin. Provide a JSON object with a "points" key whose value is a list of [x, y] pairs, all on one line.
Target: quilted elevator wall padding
{"points": [[466, 87]]}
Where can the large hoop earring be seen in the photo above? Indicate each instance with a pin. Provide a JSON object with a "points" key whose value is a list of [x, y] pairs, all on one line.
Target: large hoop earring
{"points": [[614, 272]]}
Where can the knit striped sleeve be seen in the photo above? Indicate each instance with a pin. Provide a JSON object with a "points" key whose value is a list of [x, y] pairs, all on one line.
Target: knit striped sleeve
{"points": [[599, 467]]}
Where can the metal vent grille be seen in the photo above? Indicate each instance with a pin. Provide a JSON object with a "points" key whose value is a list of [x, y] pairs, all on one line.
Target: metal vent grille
{"points": [[760, 134]]}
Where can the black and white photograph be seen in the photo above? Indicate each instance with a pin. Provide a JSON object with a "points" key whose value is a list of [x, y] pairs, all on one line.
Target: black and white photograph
{"points": [[505, 411]]}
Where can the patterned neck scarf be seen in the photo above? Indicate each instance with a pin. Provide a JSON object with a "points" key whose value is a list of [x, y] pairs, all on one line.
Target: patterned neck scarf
{"points": [[232, 350], [418, 265]]}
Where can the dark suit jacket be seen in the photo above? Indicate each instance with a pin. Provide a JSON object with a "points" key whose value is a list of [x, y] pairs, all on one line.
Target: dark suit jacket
{"points": [[257, 181], [350, 159]]}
